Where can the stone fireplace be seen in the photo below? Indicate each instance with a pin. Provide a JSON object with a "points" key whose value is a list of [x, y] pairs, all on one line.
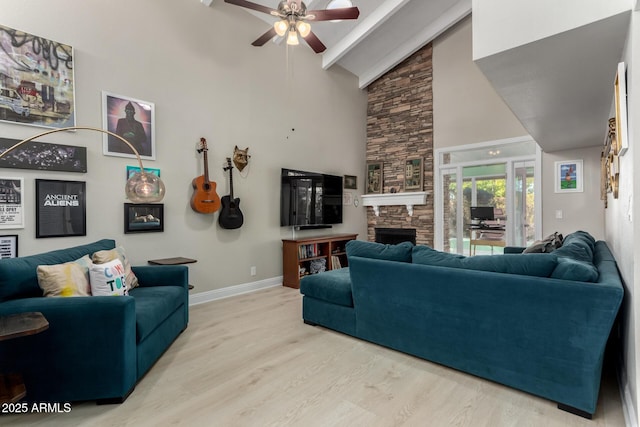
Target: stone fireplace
{"points": [[393, 236]]}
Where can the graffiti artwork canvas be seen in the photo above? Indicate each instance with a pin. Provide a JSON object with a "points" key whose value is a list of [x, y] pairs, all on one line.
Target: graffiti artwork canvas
{"points": [[36, 80]]}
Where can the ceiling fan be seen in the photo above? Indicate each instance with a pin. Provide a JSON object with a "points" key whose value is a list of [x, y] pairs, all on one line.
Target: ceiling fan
{"points": [[293, 16]]}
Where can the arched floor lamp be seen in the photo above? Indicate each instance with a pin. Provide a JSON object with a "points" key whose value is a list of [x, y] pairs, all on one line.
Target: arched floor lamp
{"points": [[142, 187]]}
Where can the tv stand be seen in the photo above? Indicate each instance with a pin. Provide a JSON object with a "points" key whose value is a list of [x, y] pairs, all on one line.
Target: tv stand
{"points": [[297, 255]]}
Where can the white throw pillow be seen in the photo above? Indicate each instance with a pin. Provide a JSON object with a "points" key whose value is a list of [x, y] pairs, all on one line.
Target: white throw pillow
{"points": [[108, 279], [117, 253]]}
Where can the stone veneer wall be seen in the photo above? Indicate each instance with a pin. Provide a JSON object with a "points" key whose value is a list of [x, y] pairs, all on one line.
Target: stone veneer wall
{"points": [[400, 126]]}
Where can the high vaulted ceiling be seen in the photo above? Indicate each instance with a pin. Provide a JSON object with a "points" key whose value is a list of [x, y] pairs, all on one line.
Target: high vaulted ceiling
{"points": [[386, 33]]}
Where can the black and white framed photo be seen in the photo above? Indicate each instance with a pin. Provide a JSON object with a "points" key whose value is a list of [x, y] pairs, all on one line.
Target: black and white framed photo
{"points": [[143, 217], [350, 182], [60, 208], [9, 246], [132, 119], [43, 156], [11, 203]]}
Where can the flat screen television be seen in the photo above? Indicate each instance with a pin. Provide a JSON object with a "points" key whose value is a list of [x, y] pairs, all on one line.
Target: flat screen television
{"points": [[310, 199]]}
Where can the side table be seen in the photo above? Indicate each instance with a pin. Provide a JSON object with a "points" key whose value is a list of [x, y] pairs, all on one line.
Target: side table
{"points": [[12, 387], [173, 261]]}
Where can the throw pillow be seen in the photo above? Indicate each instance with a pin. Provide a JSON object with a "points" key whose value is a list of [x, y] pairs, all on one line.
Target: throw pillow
{"points": [[118, 253], [70, 279], [572, 269], [108, 278], [400, 252], [539, 265], [546, 245]]}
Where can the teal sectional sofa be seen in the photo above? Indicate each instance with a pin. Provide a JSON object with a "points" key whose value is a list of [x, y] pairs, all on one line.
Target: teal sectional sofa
{"points": [[96, 347], [529, 321]]}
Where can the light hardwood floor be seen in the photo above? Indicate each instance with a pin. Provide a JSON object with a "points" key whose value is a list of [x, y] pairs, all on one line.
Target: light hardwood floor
{"points": [[251, 361]]}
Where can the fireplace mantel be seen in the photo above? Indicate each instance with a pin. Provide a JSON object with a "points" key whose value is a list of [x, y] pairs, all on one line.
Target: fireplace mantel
{"points": [[391, 199]]}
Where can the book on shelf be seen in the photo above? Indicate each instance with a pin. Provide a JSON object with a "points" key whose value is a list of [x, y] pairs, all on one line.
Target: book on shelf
{"points": [[335, 262]]}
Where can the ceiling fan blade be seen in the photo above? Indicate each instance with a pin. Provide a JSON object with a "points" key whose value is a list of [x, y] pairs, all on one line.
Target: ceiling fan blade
{"points": [[314, 42], [331, 14], [265, 37], [251, 5]]}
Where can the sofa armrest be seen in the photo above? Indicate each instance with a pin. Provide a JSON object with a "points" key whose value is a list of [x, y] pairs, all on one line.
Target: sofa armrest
{"points": [[88, 352], [162, 275]]}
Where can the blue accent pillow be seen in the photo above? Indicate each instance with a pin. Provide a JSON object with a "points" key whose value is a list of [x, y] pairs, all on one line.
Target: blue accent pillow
{"points": [[572, 269], [400, 252], [539, 265]]}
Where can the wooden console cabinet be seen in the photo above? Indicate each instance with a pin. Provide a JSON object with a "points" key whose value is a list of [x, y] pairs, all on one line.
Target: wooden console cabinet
{"points": [[297, 255]]}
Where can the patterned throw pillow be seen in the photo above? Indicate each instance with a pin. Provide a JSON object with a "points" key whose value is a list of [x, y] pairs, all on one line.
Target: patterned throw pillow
{"points": [[118, 253], [70, 279], [108, 279]]}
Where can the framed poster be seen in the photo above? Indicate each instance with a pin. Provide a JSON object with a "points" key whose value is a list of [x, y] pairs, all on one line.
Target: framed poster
{"points": [[60, 208], [43, 156], [143, 217], [132, 119], [568, 176], [374, 177], [620, 86], [9, 246], [134, 169], [413, 174], [11, 203], [36, 76]]}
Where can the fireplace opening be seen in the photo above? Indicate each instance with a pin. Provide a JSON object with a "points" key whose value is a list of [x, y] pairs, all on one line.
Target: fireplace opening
{"points": [[393, 236]]}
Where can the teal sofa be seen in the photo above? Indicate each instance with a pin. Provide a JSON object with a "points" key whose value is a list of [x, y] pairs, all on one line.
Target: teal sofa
{"points": [[529, 321], [96, 347]]}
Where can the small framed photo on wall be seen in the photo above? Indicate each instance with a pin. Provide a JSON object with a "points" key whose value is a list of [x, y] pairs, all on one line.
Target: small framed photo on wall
{"points": [[413, 174], [132, 119], [9, 246], [350, 182], [143, 217], [11, 203], [374, 177], [568, 176]]}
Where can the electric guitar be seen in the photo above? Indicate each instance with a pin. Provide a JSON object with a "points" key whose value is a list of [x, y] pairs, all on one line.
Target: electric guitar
{"points": [[204, 199], [230, 216]]}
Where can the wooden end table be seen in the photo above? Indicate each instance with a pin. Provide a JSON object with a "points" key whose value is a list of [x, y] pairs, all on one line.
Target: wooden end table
{"points": [[173, 261], [12, 387]]}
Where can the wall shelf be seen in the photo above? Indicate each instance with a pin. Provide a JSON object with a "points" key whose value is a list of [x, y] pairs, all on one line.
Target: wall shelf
{"points": [[393, 199]]}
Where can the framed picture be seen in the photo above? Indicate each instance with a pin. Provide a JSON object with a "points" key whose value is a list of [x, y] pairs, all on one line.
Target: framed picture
{"points": [[132, 119], [133, 169], [621, 111], [60, 208], [413, 174], [568, 176], [11, 203], [9, 246], [37, 80], [44, 156], [143, 217], [351, 182], [374, 177]]}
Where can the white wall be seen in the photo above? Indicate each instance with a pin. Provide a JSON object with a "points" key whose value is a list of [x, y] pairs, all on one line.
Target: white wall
{"points": [[206, 80], [506, 24], [466, 109]]}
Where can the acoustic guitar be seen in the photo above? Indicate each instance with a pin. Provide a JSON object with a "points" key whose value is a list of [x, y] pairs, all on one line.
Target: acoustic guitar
{"points": [[230, 216], [204, 199]]}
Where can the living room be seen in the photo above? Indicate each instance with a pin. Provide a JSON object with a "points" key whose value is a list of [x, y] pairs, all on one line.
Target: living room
{"points": [[196, 65]]}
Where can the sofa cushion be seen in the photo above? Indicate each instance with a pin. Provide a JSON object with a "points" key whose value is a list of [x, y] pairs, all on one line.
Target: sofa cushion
{"points": [[579, 246], [70, 279], [119, 252], [108, 279], [400, 252], [18, 276], [333, 286], [571, 269], [154, 304], [540, 265]]}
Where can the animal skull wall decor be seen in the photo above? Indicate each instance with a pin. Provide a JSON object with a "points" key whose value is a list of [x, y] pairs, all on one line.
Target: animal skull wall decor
{"points": [[240, 157]]}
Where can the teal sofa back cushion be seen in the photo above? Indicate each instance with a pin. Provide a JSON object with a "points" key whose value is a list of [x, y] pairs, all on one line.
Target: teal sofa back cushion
{"points": [[400, 252], [539, 265], [571, 269], [18, 276], [576, 258]]}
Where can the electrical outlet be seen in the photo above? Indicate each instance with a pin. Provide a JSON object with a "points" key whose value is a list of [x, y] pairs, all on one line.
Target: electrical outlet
{"points": [[253, 270]]}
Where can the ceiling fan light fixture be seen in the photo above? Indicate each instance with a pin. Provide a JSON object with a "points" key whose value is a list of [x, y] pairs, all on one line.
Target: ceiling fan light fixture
{"points": [[339, 4], [281, 27], [303, 28], [292, 38]]}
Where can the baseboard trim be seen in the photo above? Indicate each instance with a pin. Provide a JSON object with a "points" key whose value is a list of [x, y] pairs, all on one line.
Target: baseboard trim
{"points": [[628, 410], [231, 291]]}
